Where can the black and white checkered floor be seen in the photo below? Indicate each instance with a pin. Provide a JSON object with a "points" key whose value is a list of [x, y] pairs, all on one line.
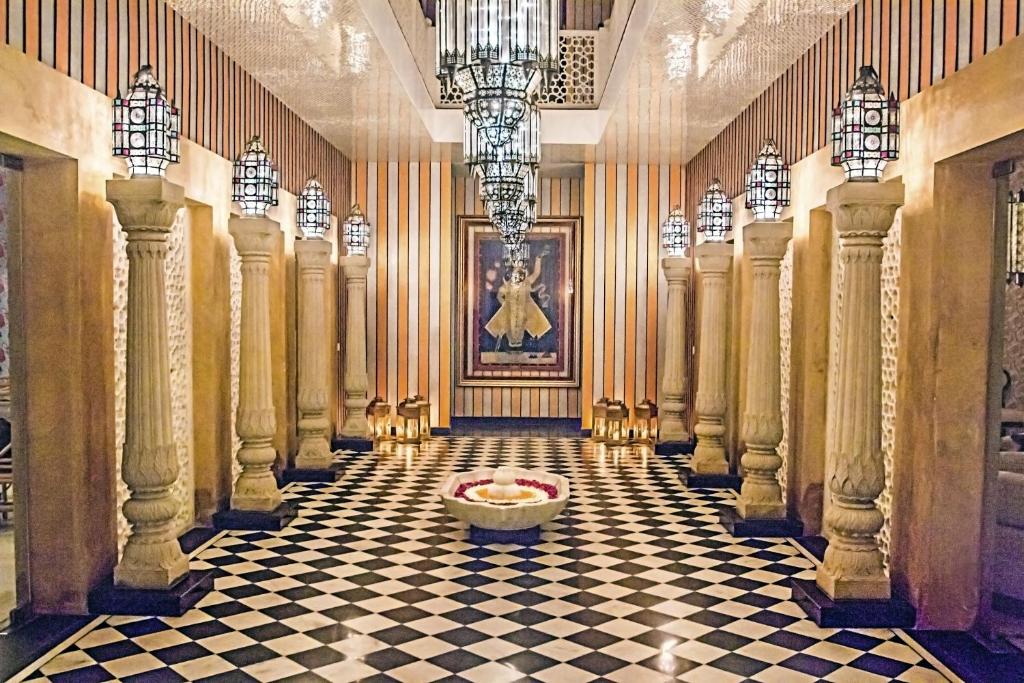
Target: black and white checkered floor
{"points": [[634, 582]]}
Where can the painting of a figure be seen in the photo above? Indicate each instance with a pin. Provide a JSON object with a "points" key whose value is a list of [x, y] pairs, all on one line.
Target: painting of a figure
{"points": [[519, 318]]}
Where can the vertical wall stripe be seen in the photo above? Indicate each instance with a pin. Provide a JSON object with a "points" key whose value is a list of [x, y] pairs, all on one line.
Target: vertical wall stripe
{"points": [[912, 43]]}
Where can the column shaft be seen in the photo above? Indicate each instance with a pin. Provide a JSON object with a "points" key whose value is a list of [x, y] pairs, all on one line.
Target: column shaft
{"points": [[863, 214], [356, 381], [709, 456], [256, 488], [672, 412], [312, 257], [761, 496], [152, 558]]}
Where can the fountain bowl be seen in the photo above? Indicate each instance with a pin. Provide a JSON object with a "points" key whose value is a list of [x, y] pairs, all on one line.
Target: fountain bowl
{"points": [[491, 522]]}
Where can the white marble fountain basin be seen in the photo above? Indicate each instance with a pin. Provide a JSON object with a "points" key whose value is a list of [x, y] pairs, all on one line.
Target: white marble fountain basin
{"points": [[504, 516]]}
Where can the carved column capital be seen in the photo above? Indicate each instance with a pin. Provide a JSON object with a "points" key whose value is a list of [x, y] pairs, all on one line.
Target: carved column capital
{"points": [[145, 204], [677, 269], [767, 240], [864, 210], [254, 236], [313, 253], [713, 258]]}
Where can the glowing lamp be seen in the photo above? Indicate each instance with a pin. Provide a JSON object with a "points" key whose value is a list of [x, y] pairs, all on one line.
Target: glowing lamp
{"points": [[768, 184], [617, 421], [146, 127], [645, 425], [599, 429], [424, 406], [675, 233], [407, 427], [255, 182], [866, 129], [314, 211], [378, 415], [355, 232], [714, 215]]}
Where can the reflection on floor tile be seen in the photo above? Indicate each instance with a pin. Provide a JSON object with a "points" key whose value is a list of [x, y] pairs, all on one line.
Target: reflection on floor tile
{"points": [[635, 582]]}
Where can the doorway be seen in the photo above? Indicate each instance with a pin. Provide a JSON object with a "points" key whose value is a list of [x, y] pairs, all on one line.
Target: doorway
{"points": [[13, 530]]}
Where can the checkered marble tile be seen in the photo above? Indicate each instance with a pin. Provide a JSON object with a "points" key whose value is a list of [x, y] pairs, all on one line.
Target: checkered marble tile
{"points": [[634, 582]]}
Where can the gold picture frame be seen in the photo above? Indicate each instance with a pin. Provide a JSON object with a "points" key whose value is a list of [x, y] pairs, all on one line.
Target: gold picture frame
{"points": [[515, 357]]}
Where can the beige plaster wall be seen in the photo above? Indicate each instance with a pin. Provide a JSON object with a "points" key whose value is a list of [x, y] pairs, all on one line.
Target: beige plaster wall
{"points": [[66, 425], [945, 332]]}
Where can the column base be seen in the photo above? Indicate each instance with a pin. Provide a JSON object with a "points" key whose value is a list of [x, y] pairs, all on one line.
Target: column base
{"points": [[504, 537], [245, 520], [313, 474], [674, 447], [709, 481], [759, 528], [147, 602], [828, 613], [350, 443]]}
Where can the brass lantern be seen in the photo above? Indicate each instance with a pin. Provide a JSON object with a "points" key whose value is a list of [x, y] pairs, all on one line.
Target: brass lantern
{"points": [[424, 406], [645, 425], [599, 430], [617, 424], [407, 428], [378, 414]]}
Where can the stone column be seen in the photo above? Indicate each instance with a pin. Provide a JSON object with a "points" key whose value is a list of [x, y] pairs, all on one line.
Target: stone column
{"points": [[356, 382], [313, 258], [256, 488], [761, 496], [672, 411], [714, 259], [852, 569], [152, 559]]}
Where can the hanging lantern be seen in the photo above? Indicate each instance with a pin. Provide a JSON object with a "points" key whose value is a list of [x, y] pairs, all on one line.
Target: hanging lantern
{"points": [[524, 146], [424, 407], [496, 98], [714, 215], [768, 184], [314, 211], [407, 427], [255, 181], [516, 255], [675, 233], [1015, 240], [645, 425], [519, 32], [378, 415], [355, 232], [146, 127], [599, 427], [617, 424], [866, 129]]}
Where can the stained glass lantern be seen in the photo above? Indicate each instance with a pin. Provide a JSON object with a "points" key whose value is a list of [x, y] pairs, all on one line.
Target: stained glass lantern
{"points": [[424, 406], [714, 215], [866, 129], [407, 427], [617, 424], [314, 211], [599, 427], [146, 127], [519, 32], [675, 233], [355, 232], [768, 184], [1015, 240], [255, 181], [645, 424], [378, 415]]}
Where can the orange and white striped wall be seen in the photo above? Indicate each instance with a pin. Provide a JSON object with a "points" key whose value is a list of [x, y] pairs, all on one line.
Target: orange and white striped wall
{"points": [[413, 208]]}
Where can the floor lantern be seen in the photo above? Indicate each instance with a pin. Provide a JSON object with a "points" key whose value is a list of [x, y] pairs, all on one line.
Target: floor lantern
{"points": [[378, 414], [617, 422], [407, 428], [424, 406], [645, 425], [599, 429]]}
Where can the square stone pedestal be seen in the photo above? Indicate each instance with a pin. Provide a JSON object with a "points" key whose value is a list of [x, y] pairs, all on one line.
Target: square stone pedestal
{"points": [[108, 598], [504, 537], [342, 443], [303, 474], [759, 528], [828, 613], [674, 447], [244, 520], [709, 481]]}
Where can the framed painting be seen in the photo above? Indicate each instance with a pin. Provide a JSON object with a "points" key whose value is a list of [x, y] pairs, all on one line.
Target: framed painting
{"points": [[518, 325]]}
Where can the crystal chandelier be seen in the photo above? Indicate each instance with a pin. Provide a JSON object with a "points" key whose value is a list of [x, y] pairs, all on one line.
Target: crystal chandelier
{"points": [[499, 53]]}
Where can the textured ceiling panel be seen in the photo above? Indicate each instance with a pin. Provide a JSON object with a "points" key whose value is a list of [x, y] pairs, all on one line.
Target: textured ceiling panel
{"points": [[700, 63]]}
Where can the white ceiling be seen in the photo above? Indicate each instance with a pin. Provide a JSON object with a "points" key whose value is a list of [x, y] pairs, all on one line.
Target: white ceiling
{"points": [[378, 104]]}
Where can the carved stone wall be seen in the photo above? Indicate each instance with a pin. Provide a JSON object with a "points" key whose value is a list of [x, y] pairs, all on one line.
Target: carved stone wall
{"points": [[785, 344], [890, 342], [236, 339], [179, 319]]}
